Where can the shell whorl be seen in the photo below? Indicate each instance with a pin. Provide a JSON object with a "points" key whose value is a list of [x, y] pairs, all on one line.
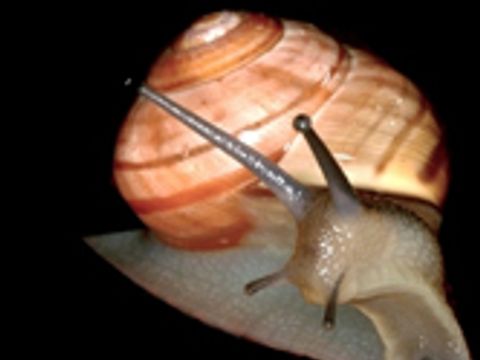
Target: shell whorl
{"points": [[213, 46]]}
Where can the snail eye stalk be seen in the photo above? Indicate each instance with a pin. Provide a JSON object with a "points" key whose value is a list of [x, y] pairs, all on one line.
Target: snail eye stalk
{"points": [[342, 193], [296, 196]]}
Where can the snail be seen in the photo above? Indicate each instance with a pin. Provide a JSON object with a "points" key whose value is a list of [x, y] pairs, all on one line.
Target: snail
{"points": [[317, 238]]}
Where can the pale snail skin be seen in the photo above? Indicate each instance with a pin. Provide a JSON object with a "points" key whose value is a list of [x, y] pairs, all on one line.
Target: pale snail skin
{"points": [[379, 254]]}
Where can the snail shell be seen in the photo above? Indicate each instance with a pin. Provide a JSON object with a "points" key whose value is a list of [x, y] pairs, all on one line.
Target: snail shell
{"points": [[251, 75], [373, 119]]}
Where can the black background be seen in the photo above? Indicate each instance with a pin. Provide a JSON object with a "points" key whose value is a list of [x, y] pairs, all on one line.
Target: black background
{"points": [[100, 311]]}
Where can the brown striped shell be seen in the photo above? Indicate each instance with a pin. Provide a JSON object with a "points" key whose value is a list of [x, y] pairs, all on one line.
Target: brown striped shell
{"points": [[251, 75]]}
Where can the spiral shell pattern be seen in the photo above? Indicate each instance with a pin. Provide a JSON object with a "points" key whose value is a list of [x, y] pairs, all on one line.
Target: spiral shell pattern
{"points": [[251, 75]]}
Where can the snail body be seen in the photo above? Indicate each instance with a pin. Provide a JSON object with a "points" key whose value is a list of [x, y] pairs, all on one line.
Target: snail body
{"points": [[358, 228]]}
